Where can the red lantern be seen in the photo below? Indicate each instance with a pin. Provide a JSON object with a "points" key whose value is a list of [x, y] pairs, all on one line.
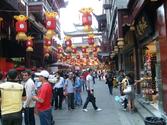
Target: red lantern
{"points": [[74, 50], [68, 43], [94, 49], [21, 26], [78, 56], [90, 40], [51, 24], [87, 56], [87, 19], [48, 42], [59, 50], [68, 57], [29, 43], [83, 50]]}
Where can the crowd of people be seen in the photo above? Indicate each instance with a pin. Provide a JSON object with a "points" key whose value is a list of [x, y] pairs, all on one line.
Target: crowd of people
{"points": [[126, 85], [39, 92]]}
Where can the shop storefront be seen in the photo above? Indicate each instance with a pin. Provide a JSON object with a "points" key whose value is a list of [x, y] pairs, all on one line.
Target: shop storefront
{"points": [[149, 88], [146, 38], [145, 50]]}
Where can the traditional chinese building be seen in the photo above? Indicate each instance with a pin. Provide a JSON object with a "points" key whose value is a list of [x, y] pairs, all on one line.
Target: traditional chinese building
{"points": [[139, 38], [14, 52]]}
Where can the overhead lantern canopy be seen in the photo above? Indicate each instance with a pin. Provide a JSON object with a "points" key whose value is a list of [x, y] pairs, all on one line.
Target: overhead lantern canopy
{"points": [[21, 27], [50, 24], [86, 18]]}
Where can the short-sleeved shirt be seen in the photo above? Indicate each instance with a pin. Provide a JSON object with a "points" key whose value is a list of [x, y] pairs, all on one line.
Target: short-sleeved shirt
{"points": [[11, 95], [89, 82], [59, 83], [69, 86], [45, 93]]}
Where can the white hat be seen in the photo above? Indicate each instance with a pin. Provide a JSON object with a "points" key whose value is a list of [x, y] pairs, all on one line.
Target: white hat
{"points": [[43, 73]]}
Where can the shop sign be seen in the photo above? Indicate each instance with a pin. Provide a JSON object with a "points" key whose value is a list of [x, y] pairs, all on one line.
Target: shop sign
{"points": [[143, 27]]}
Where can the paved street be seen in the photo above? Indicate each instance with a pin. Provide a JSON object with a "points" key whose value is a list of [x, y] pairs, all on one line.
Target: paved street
{"points": [[111, 114]]}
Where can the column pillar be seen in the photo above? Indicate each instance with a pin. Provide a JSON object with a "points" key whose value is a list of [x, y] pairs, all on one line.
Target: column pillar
{"points": [[161, 67]]}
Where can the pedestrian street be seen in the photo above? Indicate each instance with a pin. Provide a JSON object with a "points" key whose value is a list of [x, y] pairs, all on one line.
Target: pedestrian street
{"points": [[111, 114]]}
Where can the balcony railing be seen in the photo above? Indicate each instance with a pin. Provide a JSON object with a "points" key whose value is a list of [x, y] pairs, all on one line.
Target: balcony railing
{"points": [[13, 3], [44, 3]]}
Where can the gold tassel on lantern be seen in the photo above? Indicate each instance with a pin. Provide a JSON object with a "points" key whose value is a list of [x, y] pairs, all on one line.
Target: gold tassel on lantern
{"points": [[21, 36], [50, 34], [29, 49]]}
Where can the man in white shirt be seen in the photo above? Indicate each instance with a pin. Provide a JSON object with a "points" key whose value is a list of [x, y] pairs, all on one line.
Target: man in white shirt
{"points": [[29, 104], [58, 91], [90, 91]]}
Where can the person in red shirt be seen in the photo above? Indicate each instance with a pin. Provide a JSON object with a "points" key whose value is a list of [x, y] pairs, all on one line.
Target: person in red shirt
{"points": [[43, 99]]}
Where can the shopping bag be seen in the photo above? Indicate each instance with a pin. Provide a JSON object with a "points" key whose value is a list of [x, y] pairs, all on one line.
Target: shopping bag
{"points": [[128, 89], [117, 99]]}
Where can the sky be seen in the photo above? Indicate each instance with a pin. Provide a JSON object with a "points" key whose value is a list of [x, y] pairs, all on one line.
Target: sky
{"points": [[71, 15]]}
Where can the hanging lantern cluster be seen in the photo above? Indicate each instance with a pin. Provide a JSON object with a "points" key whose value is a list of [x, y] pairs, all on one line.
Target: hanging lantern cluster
{"points": [[86, 18], [21, 27], [29, 44], [50, 24]]}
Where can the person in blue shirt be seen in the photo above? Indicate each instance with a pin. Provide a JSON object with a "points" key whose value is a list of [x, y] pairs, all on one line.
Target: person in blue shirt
{"points": [[77, 87]]}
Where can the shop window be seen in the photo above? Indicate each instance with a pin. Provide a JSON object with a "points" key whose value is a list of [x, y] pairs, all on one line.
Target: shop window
{"points": [[148, 61]]}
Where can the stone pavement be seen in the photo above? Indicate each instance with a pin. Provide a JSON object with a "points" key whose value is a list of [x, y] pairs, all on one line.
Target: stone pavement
{"points": [[112, 113]]}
